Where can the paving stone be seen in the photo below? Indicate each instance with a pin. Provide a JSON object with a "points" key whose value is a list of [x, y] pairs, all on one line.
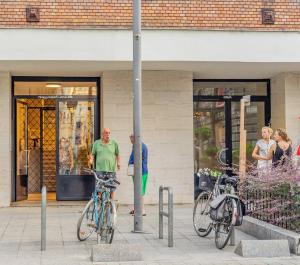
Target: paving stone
{"points": [[63, 248]]}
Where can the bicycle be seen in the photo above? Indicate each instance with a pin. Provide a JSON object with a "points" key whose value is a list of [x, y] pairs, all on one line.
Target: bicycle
{"points": [[218, 209], [99, 214]]}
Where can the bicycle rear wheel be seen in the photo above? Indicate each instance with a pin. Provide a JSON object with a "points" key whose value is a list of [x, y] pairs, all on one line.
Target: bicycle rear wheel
{"points": [[108, 226], [201, 219], [86, 224], [225, 227]]}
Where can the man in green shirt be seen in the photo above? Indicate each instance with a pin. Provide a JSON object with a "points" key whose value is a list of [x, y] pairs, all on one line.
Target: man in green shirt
{"points": [[105, 155]]}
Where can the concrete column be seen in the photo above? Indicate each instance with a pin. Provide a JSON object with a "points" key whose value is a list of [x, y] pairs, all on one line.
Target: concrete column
{"points": [[292, 106], [5, 139], [278, 101], [285, 103]]}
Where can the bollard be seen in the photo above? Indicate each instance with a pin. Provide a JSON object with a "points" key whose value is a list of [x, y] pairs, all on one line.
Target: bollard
{"points": [[43, 218], [169, 215], [170, 218], [232, 237]]}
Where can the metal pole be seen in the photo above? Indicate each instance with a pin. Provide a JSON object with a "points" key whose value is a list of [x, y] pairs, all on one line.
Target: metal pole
{"points": [[137, 110], [170, 217], [43, 218], [232, 237], [160, 202]]}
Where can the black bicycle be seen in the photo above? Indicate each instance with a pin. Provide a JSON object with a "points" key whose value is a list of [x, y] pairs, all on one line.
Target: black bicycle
{"points": [[218, 209]]}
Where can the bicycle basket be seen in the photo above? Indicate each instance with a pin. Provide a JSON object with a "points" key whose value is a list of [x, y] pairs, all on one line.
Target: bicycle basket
{"points": [[205, 182]]}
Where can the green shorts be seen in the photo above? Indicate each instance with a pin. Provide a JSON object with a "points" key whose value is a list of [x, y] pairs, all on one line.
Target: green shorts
{"points": [[144, 183]]}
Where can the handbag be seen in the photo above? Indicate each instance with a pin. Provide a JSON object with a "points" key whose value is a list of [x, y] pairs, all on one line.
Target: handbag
{"points": [[130, 170]]}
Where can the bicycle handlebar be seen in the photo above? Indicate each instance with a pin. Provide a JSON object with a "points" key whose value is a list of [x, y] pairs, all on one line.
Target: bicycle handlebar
{"points": [[102, 181]]}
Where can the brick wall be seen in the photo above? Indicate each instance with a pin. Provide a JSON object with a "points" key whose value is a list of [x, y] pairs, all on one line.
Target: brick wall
{"points": [[195, 14]]}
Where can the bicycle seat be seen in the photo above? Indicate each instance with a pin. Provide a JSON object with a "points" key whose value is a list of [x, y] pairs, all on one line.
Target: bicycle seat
{"points": [[231, 180]]}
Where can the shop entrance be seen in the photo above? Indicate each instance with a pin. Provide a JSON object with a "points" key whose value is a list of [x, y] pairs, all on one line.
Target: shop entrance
{"points": [[55, 127], [36, 127], [217, 120]]}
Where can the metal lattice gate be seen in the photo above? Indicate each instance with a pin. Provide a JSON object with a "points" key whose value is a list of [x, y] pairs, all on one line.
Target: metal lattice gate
{"points": [[42, 146], [34, 146], [49, 149]]}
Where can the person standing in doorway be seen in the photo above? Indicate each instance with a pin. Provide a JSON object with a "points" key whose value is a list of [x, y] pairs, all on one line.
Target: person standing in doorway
{"points": [[105, 156], [262, 148], [144, 171]]}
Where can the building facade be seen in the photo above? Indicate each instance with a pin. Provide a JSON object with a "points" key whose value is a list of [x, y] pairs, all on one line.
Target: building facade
{"points": [[65, 73]]}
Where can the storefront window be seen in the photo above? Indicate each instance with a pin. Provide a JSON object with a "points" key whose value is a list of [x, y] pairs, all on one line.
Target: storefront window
{"points": [[76, 136], [55, 88]]}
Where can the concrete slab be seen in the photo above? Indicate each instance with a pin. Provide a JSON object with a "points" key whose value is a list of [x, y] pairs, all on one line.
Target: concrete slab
{"points": [[63, 247], [116, 252], [263, 248]]}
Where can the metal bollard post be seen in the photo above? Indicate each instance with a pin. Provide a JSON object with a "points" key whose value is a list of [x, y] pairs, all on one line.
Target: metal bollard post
{"points": [[169, 214], [170, 218], [232, 237], [160, 205], [43, 218]]}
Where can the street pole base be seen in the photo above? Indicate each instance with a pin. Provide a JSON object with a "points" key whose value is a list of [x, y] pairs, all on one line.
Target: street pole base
{"points": [[141, 232], [137, 231]]}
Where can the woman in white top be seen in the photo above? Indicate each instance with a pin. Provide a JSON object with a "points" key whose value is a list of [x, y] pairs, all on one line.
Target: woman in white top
{"points": [[262, 148]]}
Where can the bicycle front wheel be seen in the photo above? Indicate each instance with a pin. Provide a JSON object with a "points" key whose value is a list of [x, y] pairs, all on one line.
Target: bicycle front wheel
{"points": [[86, 224], [201, 219], [224, 228], [108, 227]]}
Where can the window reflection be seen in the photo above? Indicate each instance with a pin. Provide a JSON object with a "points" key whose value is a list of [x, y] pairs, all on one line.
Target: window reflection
{"points": [[76, 135], [229, 88]]}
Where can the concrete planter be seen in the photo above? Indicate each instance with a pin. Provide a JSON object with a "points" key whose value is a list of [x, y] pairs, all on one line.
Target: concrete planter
{"points": [[264, 231]]}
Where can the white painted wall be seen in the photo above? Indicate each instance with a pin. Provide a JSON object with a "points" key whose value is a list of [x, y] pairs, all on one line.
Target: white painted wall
{"points": [[5, 139], [167, 129], [157, 45]]}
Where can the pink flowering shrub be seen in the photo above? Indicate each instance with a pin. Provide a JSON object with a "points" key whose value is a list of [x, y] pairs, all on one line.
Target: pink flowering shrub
{"points": [[273, 194]]}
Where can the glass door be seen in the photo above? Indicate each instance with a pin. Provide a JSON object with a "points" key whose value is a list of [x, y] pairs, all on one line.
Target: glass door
{"points": [[21, 151], [209, 133], [75, 127], [217, 120], [254, 121]]}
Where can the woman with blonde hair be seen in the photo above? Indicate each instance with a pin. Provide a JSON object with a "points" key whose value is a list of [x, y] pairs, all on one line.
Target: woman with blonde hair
{"points": [[262, 147], [282, 151]]}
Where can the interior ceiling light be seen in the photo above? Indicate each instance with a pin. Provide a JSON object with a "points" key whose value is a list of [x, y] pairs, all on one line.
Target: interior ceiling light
{"points": [[53, 85]]}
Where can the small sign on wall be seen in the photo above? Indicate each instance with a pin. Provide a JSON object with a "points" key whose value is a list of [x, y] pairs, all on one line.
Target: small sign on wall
{"points": [[32, 14], [268, 16]]}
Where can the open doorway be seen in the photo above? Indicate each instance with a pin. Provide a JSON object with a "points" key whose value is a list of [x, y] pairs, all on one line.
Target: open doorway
{"points": [[56, 124], [36, 147]]}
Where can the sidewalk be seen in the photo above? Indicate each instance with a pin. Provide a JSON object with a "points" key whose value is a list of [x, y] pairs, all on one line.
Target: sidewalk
{"points": [[20, 239]]}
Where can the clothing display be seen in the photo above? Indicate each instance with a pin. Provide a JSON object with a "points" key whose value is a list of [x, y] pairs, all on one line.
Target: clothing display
{"points": [[65, 156], [76, 132]]}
